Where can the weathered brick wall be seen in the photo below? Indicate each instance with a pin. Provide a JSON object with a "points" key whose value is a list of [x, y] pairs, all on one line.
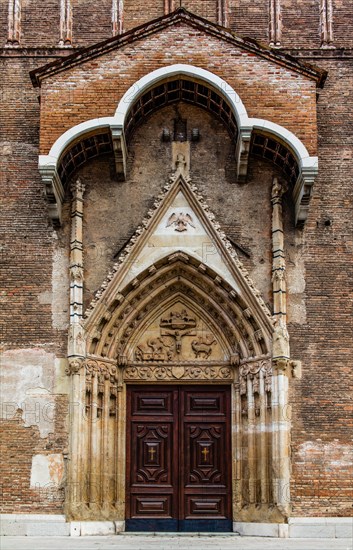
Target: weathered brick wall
{"points": [[71, 97], [300, 23], [203, 8], [322, 427], [3, 21], [342, 23], [18, 445], [135, 14], [248, 18], [29, 327], [35, 258], [40, 27], [92, 22], [300, 20], [28, 238]]}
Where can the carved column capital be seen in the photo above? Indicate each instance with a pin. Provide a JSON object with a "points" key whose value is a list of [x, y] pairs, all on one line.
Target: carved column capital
{"points": [[281, 364], [74, 366], [77, 187]]}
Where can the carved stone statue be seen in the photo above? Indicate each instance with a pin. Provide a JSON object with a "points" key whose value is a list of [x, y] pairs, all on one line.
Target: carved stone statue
{"points": [[280, 341]]}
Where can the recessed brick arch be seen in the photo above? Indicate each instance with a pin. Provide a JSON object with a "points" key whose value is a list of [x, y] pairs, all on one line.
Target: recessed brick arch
{"points": [[80, 143]]}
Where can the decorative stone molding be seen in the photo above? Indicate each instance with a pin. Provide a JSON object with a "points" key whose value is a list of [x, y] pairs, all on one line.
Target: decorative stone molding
{"points": [[117, 17], [53, 188], [177, 372], [242, 151], [251, 371], [326, 23], [77, 337]]}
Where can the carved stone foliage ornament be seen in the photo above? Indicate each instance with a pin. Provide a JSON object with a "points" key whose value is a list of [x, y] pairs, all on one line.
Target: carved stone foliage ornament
{"points": [[155, 373], [101, 370], [252, 371], [179, 336]]}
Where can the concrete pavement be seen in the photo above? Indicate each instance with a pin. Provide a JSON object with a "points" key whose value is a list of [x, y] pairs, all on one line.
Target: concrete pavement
{"points": [[171, 542]]}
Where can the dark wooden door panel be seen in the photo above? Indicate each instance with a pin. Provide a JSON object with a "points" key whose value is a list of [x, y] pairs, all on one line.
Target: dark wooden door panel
{"points": [[152, 475], [204, 455], [178, 466], [153, 450], [205, 444]]}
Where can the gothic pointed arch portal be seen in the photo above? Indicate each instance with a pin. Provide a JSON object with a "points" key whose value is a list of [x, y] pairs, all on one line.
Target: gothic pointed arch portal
{"points": [[179, 309]]}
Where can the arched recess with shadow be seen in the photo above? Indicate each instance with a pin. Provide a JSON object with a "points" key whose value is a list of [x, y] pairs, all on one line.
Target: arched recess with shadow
{"points": [[165, 87]]}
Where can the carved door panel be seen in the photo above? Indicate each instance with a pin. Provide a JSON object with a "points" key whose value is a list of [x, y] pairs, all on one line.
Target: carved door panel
{"points": [[152, 472], [205, 459], [178, 459]]}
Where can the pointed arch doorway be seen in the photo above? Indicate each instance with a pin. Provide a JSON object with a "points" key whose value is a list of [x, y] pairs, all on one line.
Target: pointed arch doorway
{"points": [[179, 311], [178, 458]]}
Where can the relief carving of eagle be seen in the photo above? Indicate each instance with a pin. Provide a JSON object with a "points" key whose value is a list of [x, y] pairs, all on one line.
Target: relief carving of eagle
{"points": [[181, 221]]}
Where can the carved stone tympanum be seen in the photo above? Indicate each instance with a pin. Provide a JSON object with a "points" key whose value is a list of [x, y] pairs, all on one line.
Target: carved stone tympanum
{"points": [[178, 336]]}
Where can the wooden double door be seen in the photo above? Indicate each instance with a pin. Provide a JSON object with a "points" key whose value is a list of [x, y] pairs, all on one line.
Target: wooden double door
{"points": [[178, 458]]}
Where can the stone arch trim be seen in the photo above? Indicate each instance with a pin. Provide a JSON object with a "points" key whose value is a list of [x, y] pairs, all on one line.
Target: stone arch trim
{"points": [[116, 323], [49, 164]]}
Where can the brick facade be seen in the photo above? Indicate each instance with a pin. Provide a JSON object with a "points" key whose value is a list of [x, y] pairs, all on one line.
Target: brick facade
{"points": [[35, 256]]}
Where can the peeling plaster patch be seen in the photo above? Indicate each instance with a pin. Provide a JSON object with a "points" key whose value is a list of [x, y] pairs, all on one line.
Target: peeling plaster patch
{"points": [[27, 383], [47, 470], [331, 455], [37, 391], [60, 286]]}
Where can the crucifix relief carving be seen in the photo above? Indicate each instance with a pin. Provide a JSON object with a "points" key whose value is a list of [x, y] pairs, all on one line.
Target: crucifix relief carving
{"points": [[177, 325], [179, 336]]}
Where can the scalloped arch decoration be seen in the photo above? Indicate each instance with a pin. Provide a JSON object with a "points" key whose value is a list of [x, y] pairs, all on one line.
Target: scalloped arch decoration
{"points": [[49, 164]]}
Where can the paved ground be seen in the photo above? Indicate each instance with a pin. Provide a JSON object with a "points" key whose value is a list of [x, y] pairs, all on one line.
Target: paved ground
{"points": [[168, 542]]}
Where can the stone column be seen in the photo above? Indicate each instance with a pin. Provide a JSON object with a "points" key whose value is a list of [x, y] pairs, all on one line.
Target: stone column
{"points": [[280, 360], [76, 354]]}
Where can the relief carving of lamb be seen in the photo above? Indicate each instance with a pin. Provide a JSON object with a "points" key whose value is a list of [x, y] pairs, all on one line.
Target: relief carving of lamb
{"points": [[202, 347]]}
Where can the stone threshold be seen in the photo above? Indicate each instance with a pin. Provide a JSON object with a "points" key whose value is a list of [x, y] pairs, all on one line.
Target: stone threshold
{"points": [[45, 525]]}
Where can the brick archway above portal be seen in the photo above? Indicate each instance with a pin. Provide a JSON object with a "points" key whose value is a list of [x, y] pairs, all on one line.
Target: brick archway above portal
{"points": [[88, 99], [251, 135]]}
